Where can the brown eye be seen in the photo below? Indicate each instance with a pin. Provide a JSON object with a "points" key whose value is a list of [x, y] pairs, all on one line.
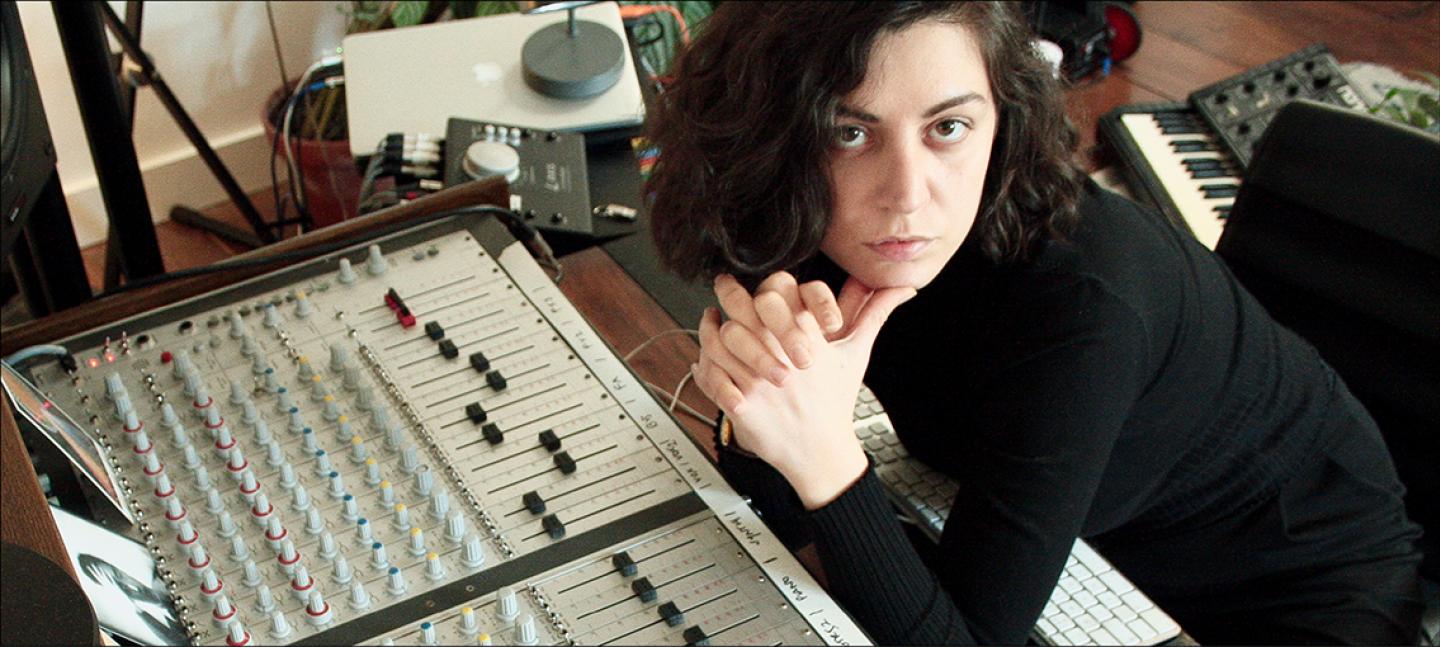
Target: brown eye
{"points": [[949, 130], [850, 137]]}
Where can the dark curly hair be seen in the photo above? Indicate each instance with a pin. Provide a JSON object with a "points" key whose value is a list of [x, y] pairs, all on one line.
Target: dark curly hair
{"points": [[742, 184]]}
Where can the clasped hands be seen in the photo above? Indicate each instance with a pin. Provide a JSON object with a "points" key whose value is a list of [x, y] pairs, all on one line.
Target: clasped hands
{"points": [[785, 368]]}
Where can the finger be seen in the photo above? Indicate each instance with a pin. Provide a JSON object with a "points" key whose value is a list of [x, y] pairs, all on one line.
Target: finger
{"points": [[718, 387], [749, 351], [736, 301], [876, 311], [853, 296], [716, 383], [779, 320], [818, 299], [713, 345]]}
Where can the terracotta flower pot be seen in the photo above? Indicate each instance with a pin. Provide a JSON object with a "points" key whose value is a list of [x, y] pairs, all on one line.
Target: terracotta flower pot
{"points": [[331, 178]]}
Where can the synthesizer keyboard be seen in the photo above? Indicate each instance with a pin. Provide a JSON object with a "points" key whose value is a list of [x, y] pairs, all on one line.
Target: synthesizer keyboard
{"points": [[1172, 158], [1092, 604]]}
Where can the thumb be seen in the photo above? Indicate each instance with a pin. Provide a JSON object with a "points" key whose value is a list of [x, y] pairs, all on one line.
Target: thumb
{"points": [[876, 311]]}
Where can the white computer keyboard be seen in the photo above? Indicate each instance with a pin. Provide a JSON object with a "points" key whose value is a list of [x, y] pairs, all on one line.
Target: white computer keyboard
{"points": [[1092, 604]]}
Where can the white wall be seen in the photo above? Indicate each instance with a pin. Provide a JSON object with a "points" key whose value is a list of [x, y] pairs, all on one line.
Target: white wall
{"points": [[218, 59]]}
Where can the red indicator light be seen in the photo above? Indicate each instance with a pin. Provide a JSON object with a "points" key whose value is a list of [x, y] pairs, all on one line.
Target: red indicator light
{"points": [[47, 405], [109, 357], [93, 362], [165, 357]]}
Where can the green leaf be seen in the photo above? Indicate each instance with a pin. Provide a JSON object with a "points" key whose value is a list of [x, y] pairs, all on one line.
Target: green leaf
{"points": [[489, 8], [408, 12], [1430, 105]]}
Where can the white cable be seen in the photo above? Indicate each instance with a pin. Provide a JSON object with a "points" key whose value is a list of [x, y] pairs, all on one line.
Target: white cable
{"points": [[37, 350], [290, 111], [646, 343]]}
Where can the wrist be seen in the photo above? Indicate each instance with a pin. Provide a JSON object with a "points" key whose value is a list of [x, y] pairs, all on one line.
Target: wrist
{"points": [[824, 476]]}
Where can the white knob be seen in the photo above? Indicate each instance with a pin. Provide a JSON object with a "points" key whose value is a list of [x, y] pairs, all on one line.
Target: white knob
{"points": [[376, 263], [342, 572], [338, 357], [474, 553], [237, 326], [489, 158], [526, 634], [272, 316], [395, 584], [279, 627], [455, 527], [303, 307], [318, 611], [347, 273], [359, 597], [507, 607], [434, 568]]}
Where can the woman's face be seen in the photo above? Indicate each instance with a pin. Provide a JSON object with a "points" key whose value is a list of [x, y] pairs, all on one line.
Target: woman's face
{"points": [[908, 157]]}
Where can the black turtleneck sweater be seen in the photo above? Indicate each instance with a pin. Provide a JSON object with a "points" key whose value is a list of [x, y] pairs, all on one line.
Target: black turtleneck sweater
{"points": [[1120, 387]]}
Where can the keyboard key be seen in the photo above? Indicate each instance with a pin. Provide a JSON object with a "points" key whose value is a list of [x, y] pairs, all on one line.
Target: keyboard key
{"points": [[875, 445], [1062, 622], [879, 428], [1143, 631], [1077, 636], [1123, 634], [1044, 627], [1160, 621], [1086, 622], [1116, 582], [1109, 599], [863, 433], [1072, 609], [1091, 559], [1057, 596], [890, 439], [1137, 601], [885, 454], [1079, 572], [1095, 585], [1102, 637], [1100, 612], [1071, 585], [1086, 599], [1124, 613]]}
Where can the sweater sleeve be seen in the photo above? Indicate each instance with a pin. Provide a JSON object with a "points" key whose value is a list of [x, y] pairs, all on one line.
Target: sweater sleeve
{"points": [[1057, 385]]}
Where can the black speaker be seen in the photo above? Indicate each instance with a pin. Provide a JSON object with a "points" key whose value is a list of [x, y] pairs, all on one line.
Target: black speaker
{"points": [[27, 156]]}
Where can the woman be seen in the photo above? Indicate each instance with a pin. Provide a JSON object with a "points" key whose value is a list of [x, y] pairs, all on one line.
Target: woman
{"points": [[1079, 367]]}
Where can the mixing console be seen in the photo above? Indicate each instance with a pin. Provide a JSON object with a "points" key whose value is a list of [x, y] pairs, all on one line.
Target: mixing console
{"points": [[421, 441]]}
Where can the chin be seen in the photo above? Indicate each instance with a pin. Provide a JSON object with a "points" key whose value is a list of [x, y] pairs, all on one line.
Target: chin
{"points": [[907, 275]]}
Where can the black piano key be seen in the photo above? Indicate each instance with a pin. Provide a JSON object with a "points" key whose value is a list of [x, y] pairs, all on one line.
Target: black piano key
{"points": [[1191, 146], [1212, 187], [1201, 162], [1206, 174], [1182, 129], [1211, 194], [1222, 212]]}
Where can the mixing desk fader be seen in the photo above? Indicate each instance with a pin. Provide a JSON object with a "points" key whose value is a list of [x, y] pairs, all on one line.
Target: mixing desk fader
{"points": [[422, 441]]}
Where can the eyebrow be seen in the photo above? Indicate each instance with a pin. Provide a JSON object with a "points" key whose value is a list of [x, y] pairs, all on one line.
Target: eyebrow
{"points": [[968, 97]]}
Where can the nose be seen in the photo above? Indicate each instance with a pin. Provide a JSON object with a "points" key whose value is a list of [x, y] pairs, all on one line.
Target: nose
{"points": [[907, 187]]}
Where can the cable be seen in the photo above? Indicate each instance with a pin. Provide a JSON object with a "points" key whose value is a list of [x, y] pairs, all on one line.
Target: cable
{"points": [[522, 231], [300, 88], [31, 352], [646, 344]]}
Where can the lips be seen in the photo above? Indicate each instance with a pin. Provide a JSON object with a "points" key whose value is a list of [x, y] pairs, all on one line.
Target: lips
{"points": [[900, 249]]}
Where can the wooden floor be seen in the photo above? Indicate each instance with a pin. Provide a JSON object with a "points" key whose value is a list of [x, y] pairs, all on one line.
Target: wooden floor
{"points": [[1184, 46]]}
